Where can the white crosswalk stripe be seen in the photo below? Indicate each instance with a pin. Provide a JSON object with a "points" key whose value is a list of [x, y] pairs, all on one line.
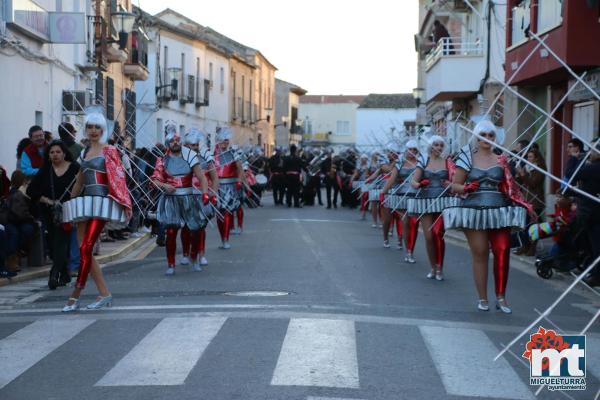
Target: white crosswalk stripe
{"points": [[318, 352], [24, 348], [160, 360], [314, 353], [462, 358]]}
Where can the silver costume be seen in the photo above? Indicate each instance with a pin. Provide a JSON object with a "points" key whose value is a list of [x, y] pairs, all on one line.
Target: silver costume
{"points": [[429, 199], [487, 207], [94, 201], [398, 196]]}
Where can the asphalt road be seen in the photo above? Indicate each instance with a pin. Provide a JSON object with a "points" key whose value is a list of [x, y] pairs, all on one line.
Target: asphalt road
{"points": [[306, 305]]}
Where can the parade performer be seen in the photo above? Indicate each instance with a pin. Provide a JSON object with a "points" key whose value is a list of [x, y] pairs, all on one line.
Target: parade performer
{"points": [[178, 206], [196, 140], [375, 183], [104, 198], [399, 182], [357, 182], [433, 176], [231, 178], [388, 206], [492, 206]]}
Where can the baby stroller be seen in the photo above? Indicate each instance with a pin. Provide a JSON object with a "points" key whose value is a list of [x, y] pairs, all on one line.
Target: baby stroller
{"points": [[565, 251]]}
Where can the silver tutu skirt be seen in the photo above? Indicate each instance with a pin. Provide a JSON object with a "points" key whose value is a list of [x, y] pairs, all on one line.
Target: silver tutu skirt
{"points": [[177, 211], [230, 198], [93, 207], [374, 194], [431, 205], [484, 218], [395, 202]]}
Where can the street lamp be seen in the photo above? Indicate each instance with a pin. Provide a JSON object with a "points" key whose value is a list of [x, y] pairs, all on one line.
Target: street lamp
{"points": [[123, 23], [418, 94]]}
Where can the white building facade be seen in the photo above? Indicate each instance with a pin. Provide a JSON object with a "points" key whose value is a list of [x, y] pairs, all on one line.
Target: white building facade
{"points": [[36, 72], [200, 99], [329, 120], [378, 124]]}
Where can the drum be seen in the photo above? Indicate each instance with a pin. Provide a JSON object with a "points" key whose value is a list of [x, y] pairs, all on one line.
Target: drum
{"points": [[226, 157], [261, 180]]}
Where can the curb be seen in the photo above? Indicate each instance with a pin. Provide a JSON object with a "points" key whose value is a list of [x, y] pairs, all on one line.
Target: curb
{"points": [[39, 272]]}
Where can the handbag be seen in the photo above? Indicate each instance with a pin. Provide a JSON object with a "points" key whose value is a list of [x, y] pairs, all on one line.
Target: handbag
{"points": [[56, 210]]}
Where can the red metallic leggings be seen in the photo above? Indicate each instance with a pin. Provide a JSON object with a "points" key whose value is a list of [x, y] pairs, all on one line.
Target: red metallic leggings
{"points": [[437, 231], [185, 241], [364, 201], [171, 245], [397, 219], [202, 241], [93, 228], [411, 235], [225, 225], [500, 244], [240, 217]]}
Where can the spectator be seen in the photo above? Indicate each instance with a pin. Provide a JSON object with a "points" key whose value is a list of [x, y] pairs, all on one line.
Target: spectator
{"points": [[51, 187], [588, 210], [4, 273], [440, 32], [48, 136], [67, 133], [20, 149], [4, 184], [532, 182], [20, 222], [576, 154], [33, 155]]}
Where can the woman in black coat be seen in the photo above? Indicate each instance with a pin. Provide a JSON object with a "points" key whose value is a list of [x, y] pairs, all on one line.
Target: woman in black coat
{"points": [[51, 187]]}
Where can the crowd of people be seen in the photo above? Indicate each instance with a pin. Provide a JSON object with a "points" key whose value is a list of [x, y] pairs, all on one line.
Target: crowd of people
{"points": [[74, 194]]}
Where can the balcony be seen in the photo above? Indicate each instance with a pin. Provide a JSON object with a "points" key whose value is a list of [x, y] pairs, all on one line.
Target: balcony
{"points": [[454, 69], [136, 66]]}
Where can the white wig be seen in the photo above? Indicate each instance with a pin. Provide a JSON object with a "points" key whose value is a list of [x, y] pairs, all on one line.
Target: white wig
{"points": [[436, 139], [411, 144], [96, 118], [223, 134], [488, 126], [194, 136]]}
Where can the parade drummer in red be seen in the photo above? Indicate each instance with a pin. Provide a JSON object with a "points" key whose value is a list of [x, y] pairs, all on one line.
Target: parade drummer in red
{"points": [[196, 140], [102, 197], [178, 205], [231, 177]]}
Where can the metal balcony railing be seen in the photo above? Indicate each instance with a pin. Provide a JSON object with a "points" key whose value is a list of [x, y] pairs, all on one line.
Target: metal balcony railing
{"points": [[96, 31], [452, 47]]}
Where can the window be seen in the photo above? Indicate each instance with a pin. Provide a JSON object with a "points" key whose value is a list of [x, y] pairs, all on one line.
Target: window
{"points": [[210, 74], [191, 88], [99, 89], [39, 118], [182, 75], [130, 110], [110, 99], [222, 79], [549, 14], [197, 94], [521, 21], [342, 128], [166, 79], [181, 130], [250, 90], [242, 98]]}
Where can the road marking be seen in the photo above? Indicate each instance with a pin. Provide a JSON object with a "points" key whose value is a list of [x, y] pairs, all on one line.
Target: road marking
{"points": [[464, 360], [329, 398], [166, 355], [298, 220], [318, 353], [27, 346]]}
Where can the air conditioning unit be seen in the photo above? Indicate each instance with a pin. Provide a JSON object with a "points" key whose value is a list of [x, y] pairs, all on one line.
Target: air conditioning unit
{"points": [[76, 101]]}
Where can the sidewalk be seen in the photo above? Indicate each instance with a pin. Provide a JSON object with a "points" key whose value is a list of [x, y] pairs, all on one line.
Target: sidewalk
{"points": [[109, 251]]}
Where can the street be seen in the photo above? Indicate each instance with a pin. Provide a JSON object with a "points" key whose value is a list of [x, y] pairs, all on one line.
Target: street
{"points": [[306, 305]]}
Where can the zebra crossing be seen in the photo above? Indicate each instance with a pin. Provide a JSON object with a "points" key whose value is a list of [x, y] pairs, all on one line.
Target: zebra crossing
{"points": [[303, 352]]}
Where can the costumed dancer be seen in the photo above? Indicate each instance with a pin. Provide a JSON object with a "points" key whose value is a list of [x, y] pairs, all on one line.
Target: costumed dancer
{"points": [[492, 206], [375, 183], [388, 204], [357, 182], [178, 206], [432, 177], [196, 140], [231, 177], [400, 182], [104, 198]]}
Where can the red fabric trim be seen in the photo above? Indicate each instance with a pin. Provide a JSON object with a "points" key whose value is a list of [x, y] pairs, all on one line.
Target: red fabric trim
{"points": [[117, 185], [509, 186]]}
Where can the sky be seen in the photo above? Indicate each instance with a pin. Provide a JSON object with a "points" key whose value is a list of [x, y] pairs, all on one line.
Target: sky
{"points": [[325, 46]]}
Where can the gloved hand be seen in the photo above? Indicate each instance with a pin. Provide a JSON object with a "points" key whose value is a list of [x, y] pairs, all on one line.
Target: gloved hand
{"points": [[446, 183], [238, 185], [381, 197], [213, 200], [471, 187], [424, 183], [205, 198]]}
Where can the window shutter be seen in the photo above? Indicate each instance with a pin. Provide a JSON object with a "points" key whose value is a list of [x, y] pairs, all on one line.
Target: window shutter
{"points": [[110, 98]]}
